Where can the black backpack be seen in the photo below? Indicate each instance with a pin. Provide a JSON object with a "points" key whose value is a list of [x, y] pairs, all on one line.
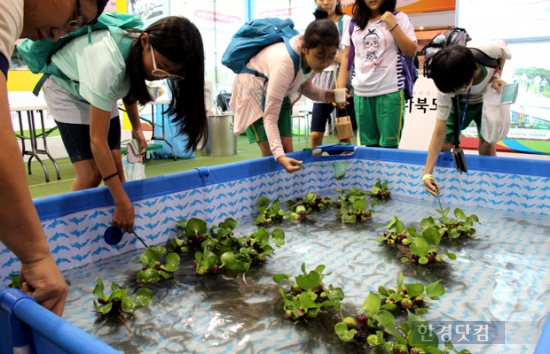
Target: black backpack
{"points": [[453, 36]]}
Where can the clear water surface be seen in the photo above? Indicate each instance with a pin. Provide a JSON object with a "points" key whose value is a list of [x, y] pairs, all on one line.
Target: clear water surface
{"points": [[500, 276]]}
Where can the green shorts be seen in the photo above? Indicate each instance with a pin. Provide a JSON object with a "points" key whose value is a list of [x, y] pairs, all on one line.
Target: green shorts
{"points": [[256, 132], [380, 119], [473, 114]]}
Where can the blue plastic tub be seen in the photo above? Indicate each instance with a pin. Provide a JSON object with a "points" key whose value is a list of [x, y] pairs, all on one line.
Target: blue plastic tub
{"points": [[75, 223]]}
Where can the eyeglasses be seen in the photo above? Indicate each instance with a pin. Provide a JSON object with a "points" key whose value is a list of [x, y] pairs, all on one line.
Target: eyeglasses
{"points": [[161, 74], [75, 24]]}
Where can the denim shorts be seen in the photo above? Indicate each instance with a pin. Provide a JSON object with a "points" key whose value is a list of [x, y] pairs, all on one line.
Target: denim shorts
{"points": [[76, 138]]}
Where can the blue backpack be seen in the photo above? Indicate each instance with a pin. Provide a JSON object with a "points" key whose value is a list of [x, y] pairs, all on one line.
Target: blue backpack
{"points": [[408, 64], [254, 36]]}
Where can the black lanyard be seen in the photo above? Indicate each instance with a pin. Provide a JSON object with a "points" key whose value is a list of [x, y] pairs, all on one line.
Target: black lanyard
{"points": [[456, 114]]}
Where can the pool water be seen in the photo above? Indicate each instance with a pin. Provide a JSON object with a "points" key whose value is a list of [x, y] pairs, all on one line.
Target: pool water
{"points": [[502, 275]]}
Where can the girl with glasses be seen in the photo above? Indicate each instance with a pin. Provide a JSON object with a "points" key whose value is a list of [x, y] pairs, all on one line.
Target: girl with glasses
{"points": [[111, 65]]}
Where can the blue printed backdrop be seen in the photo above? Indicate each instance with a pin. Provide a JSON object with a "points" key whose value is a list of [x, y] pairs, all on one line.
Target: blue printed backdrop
{"points": [[77, 238]]}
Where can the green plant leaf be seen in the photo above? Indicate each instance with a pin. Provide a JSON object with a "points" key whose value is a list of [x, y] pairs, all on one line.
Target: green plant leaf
{"points": [[414, 289], [277, 278], [228, 260], [263, 201], [435, 290], [359, 204], [157, 251], [182, 223], [103, 309], [400, 281], [386, 319], [147, 276], [336, 294], [388, 307], [98, 289], [198, 257], [382, 290], [420, 247], [15, 282], [371, 305], [343, 333], [421, 311], [399, 227], [144, 296], [309, 281], [349, 219], [459, 214], [432, 235], [119, 294], [127, 304], [267, 250], [427, 222], [146, 257], [172, 262], [165, 275], [196, 227], [320, 269], [380, 239], [414, 318], [209, 258], [278, 237], [306, 302], [451, 256]]}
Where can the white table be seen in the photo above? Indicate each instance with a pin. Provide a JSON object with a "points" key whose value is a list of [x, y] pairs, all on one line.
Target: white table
{"points": [[26, 102]]}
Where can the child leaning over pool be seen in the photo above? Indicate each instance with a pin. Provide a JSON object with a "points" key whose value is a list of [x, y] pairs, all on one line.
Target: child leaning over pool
{"points": [[271, 127]]}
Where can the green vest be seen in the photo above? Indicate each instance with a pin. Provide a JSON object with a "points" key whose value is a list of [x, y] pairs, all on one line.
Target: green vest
{"points": [[37, 54]]}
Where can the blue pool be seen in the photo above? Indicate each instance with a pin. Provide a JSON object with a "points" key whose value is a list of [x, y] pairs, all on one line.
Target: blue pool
{"points": [[516, 190]]}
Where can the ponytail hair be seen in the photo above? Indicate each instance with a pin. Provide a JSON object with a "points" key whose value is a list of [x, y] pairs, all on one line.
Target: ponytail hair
{"points": [[179, 41], [338, 9], [321, 32]]}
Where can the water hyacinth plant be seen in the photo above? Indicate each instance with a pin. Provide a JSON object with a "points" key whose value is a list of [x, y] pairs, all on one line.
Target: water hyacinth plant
{"points": [[218, 248], [119, 305], [419, 248], [380, 190], [311, 202], [153, 270], [268, 212], [15, 281], [461, 227], [408, 296], [352, 206], [308, 294]]}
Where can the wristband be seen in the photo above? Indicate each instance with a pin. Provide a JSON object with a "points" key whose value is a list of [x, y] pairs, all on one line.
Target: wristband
{"points": [[427, 176], [110, 176], [397, 24]]}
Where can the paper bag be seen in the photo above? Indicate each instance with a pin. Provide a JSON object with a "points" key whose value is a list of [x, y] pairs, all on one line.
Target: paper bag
{"points": [[344, 129]]}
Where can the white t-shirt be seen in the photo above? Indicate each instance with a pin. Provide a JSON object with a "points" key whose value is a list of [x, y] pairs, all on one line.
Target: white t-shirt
{"points": [[11, 26], [495, 50], [378, 69]]}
